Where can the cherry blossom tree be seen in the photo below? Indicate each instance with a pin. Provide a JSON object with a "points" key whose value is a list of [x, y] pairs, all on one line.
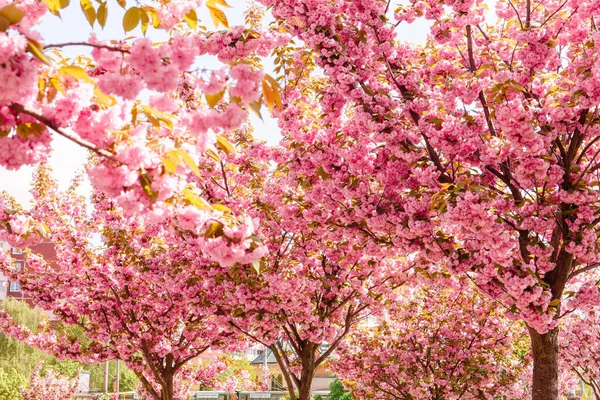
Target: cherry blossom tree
{"points": [[313, 285], [477, 150], [582, 333], [141, 295], [49, 386], [148, 111], [436, 343]]}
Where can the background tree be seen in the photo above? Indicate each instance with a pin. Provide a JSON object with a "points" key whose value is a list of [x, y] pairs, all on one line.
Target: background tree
{"points": [[140, 295], [581, 332], [477, 150], [436, 343], [314, 283]]}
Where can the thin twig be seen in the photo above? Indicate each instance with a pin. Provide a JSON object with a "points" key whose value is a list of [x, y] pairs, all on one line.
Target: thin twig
{"points": [[19, 109], [98, 46]]}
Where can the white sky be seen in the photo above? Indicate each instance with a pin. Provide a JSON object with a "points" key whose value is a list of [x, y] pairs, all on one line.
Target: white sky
{"points": [[67, 158]]}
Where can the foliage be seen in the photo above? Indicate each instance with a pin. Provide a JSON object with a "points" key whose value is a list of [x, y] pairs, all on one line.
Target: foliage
{"points": [[337, 391], [10, 384], [17, 355]]}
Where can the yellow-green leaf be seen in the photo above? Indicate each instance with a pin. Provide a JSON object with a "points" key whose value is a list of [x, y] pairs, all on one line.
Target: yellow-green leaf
{"points": [[225, 145], [146, 183], [37, 50], [191, 19], [221, 207], [554, 303], [132, 18], [76, 72], [102, 14], [104, 99], [12, 13], [88, 10], [195, 199]]}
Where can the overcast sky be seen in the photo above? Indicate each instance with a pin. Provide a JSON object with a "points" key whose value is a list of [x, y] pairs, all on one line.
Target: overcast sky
{"points": [[67, 157]]}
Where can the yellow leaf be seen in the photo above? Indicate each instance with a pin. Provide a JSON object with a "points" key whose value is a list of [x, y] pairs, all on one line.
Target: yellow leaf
{"points": [[225, 145], [88, 11], [154, 17], [37, 50], [104, 99], [189, 161], [255, 107], [218, 17], [215, 229], [12, 13], [275, 88], [213, 155], [195, 199], [191, 19], [55, 5], [76, 72], [122, 3], [170, 166], [145, 21], [102, 14], [132, 18], [213, 3], [221, 207], [268, 94], [146, 183], [213, 99], [4, 24]]}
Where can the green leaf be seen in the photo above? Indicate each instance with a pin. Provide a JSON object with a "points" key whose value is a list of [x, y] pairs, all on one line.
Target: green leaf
{"points": [[132, 18]]}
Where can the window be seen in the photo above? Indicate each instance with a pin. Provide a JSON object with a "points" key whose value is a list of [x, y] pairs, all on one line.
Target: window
{"points": [[14, 287], [18, 265], [17, 251]]}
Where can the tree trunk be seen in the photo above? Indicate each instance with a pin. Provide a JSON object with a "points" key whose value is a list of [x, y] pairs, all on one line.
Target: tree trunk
{"points": [[545, 364], [168, 389], [305, 388]]}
